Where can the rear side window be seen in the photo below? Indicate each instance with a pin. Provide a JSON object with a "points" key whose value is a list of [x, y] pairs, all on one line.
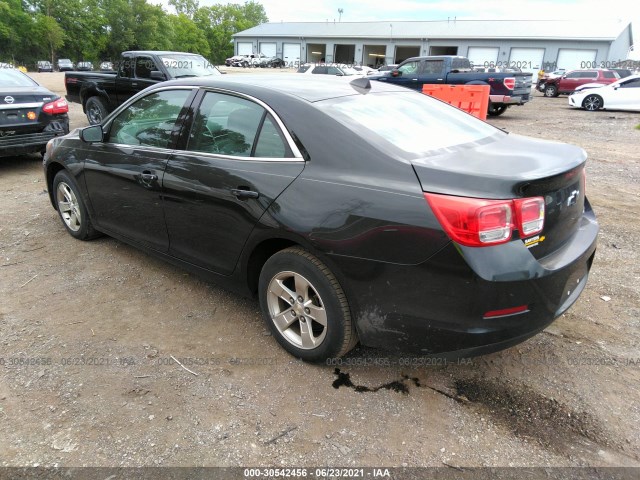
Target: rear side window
{"points": [[434, 67], [230, 125], [320, 70], [608, 74], [303, 68], [589, 75]]}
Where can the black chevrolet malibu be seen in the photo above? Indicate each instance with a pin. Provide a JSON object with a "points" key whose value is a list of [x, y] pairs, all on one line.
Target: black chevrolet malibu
{"points": [[354, 212]]}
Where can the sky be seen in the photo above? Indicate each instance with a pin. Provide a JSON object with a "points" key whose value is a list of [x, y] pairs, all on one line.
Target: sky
{"points": [[372, 10]]}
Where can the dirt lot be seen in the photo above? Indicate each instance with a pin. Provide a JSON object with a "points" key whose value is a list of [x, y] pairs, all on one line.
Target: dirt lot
{"points": [[88, 331]]}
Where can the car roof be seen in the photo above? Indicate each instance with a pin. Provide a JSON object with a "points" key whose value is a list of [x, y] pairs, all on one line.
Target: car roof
{"points": [[311, 88]]}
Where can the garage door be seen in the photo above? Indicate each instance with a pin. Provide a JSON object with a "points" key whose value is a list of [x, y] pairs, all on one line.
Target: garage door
{"points": [[483, 56], [245, 48], [527, 59], [291, 52], [571, 59], [268, 49]]}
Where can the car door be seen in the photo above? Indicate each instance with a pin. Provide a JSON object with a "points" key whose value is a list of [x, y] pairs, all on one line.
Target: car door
{"points": [[124, 173], [625, 96], [236, 161], [142, 73], [569, 82], [123, 90], [409, 72]]}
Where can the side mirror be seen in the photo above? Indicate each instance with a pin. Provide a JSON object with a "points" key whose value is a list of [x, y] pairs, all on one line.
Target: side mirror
{"points": [[157, 75], [396, 73], [92, 134]]}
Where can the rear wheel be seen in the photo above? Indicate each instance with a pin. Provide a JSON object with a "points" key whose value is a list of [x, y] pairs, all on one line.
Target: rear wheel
{"points": [[305, 307], [71, 208], [96, 110], [496, 110], [592, 102], [551, 91]]}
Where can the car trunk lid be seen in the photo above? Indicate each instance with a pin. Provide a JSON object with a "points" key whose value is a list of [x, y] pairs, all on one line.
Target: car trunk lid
{"points": [[514, 167]]}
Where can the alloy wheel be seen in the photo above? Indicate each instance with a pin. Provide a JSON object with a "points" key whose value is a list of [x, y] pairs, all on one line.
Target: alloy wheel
{"points": [[296, 310], [68, 207]]}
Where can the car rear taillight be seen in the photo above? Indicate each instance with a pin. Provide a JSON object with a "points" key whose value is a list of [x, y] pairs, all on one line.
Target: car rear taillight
{"points": [[478, 222], [56, 107], [510, 83], [530, 213]]}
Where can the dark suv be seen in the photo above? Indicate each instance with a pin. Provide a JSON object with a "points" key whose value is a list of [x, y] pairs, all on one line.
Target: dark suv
{"points": [[568, 82], [30, 115]]}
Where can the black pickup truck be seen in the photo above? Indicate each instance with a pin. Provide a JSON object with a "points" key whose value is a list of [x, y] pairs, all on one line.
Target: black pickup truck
{"points": [[507, 88], [101, 93]]}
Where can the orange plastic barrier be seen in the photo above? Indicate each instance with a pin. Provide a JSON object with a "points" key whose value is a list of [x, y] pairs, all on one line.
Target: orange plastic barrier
{"points": [[473, 99]]}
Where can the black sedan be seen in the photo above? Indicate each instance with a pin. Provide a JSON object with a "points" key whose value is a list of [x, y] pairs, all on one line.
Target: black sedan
{"points": [[354, 212], [30, 115]]}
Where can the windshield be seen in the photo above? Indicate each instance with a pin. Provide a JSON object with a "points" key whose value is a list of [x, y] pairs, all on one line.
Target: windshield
{"points": [[414, 123], [180, 66], [14, 78]]}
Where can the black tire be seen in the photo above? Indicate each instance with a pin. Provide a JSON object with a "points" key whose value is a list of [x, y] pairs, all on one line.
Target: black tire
{"points": [[496, 110], [96, 110], [71, 207], [551, 91], [319, 290], [592, 102]]}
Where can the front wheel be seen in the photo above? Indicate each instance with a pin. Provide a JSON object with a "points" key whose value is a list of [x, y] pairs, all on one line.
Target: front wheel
{"points": [[592, 103], [551, 91], [96, 110], [496, 110], [305, 307], [71, 208]]}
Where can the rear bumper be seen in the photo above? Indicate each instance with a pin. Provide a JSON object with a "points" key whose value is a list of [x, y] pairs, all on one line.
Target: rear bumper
{"points": [[509, 100], [438, 308], [18, 144]]}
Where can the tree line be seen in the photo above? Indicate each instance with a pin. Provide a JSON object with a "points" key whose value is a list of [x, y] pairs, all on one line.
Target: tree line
{"points": [[98, 30]]}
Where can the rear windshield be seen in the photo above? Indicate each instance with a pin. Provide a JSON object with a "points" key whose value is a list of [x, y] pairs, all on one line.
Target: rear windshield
{"points": [[414, 123], [15, 78]]}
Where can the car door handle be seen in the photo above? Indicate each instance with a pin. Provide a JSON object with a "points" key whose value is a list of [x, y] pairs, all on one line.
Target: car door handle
{"points": [[244, 192], [148, 176], [134, 84]]}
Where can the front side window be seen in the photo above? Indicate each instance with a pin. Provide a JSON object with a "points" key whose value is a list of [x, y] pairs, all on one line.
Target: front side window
{"points": [[574, 75], [320, 70], [409, 68], [150, 120], [635, 83], [144, 67]]}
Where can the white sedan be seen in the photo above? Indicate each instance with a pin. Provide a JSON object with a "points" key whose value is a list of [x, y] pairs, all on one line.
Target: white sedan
{"points": [[623, 94]]}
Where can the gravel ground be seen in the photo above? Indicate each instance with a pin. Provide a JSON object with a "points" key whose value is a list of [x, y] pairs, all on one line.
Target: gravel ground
{"points": [[89, 332]]}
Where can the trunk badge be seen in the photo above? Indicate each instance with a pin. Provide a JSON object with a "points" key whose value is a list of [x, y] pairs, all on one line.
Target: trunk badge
{"points": [[573, 198]]}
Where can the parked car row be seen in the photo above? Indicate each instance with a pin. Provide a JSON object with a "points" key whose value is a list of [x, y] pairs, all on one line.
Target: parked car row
{"points": [[66, 65], [254, 60]]}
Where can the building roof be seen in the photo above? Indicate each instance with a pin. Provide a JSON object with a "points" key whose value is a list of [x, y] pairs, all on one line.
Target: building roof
{"points": [[476, 29]]}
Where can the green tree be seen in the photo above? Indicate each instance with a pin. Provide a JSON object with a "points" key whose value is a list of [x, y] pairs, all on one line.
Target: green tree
{"points": [[49, 34], [219, 22], [187, 37], [187, 7]]}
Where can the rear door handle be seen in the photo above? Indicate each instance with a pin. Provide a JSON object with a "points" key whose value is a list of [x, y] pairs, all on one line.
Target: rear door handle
{"points": [[244, 192], [148, 176]]}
